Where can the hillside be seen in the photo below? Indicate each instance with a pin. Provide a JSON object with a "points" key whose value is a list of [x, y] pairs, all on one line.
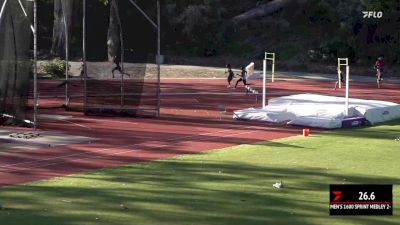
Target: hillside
{"points": [[307, 35]]}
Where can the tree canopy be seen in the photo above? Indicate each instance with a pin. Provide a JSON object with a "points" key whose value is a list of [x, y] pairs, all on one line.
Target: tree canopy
{"points": [[313, 30]]}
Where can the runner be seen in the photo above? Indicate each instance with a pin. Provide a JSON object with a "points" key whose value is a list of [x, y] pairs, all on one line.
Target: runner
{"points": [[117, 65], [379, 66], [341, 81], [243, 77], [230, 74]]}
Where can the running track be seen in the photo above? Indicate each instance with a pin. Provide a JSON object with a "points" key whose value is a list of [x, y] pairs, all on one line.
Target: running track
{"points": [[190, 123]]}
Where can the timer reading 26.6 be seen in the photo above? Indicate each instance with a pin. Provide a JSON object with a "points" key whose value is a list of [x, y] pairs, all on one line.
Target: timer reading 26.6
{"points": [[365, 196], [360, 199]]}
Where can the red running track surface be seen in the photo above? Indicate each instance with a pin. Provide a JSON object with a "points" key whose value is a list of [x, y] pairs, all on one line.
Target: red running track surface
{"points": [[191, 122]]}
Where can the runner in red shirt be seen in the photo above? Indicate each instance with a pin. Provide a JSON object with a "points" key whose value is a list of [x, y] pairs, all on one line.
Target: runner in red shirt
{"points": [[379, 66]]}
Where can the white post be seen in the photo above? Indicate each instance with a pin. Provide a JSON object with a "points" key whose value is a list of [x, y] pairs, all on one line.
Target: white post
{"points": [[347, 90], [35, 94], [2, 9], [273, 68], [264, 81]]}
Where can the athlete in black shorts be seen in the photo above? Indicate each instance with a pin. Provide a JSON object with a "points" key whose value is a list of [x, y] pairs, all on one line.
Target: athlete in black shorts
{"points": [[230, 74], [117, 65], [243, 77], [341, 80]]}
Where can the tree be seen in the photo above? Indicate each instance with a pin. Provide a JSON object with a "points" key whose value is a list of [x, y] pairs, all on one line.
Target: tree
{"points": [[114, 37], [262, 10], [62, 10], [200, 25]]}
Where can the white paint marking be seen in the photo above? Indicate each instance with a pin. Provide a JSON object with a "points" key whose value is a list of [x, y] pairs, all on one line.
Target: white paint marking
{"points": [[118, 147], [118, 153], [196, 100]]}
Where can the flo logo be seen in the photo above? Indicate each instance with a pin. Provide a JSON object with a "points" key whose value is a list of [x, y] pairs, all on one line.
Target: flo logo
{"points": [[337, 194], [372, 14]]}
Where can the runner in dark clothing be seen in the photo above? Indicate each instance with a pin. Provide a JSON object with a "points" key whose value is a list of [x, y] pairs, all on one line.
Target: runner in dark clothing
{"points": [[243, 77], [117, 65], [230, 74], [342, 80]]}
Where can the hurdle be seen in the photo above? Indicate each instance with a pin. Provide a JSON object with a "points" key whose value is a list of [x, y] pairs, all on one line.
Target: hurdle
{"points": [[252, 91], [344, 62], [341, 62]]}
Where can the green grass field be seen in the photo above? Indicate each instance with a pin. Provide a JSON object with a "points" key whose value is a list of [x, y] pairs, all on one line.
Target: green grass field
{"points": [[228, 186]]}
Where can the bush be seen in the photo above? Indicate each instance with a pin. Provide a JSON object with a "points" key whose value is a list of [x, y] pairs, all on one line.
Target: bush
{"points": [[54, 67]]}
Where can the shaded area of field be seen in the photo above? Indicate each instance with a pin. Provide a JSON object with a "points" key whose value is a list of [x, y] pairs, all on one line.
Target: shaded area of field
{"points": [[196, 115], [228, 186]]}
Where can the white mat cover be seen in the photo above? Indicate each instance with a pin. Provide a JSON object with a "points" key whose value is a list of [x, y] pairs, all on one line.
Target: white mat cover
{"points": [[320, 110]]}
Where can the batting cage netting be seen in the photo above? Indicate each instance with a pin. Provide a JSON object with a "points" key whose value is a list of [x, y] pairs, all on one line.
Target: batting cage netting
{"points": [[121, 75], [16, 32]]}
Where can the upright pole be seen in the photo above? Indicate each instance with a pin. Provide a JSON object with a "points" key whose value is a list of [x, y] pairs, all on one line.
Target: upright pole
{"points": [[264, 80], [158, 60], [122, 70], [341, 62], [84, 56], [66, 53], [273, 67], [121, 38], [2, 10], [339, 74], [347, 89], [35, 94]]}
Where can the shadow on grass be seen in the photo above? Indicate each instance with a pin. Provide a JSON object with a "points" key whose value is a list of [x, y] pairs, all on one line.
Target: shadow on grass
{"points": [[383, 131], [277, 144], [183, 191]]}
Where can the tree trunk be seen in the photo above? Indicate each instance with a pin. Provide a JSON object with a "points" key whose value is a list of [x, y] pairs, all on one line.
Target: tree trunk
{"points": [[114, 37], [61, 7], [261, 10]]}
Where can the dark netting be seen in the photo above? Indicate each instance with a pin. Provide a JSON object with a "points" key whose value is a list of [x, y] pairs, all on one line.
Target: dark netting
{"points": [[15, 62], [53, 88], [120, 54]]}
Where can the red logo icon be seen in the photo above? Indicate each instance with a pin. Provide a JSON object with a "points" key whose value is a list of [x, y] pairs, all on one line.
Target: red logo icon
{"points": [[338, 195]]}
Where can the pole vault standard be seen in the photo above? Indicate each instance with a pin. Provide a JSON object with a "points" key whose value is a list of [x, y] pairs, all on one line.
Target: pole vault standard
{"points": [[344, 62], [271, 57], [264, 81]]}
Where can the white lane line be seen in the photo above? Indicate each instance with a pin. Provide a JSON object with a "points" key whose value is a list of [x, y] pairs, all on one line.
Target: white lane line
{"points": [[118, 147], [117, 153], [110, 121], [76, 124]]}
